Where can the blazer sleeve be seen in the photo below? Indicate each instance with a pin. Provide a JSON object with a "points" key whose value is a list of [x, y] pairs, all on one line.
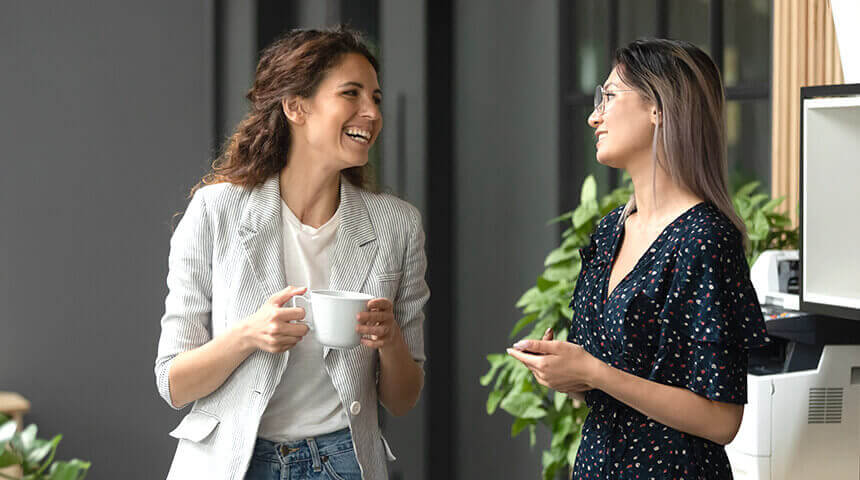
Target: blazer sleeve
{"points": [[186, 323], [413, 292]]}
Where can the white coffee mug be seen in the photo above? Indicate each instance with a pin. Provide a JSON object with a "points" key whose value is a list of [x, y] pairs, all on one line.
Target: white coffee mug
{"points": [[331, 314]]}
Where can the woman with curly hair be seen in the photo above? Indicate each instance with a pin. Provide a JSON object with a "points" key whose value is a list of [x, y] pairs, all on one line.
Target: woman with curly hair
{"points": [[289, 206]]}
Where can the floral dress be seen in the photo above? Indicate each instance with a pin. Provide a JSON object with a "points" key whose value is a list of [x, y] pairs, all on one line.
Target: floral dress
{"points": [[685, 316]]}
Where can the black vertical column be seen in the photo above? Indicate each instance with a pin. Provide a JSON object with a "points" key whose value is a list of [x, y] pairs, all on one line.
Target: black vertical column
{"points": [[274, 17], [614, 33], [442, 419], [217, 77], [567, 170], [715, 18]]}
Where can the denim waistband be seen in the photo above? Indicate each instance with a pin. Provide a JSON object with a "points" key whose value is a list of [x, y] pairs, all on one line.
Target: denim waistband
{"points": [[312, 449]]}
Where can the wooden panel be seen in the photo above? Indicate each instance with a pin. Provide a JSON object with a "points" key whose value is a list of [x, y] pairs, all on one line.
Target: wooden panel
{"points": [[805, 53]]}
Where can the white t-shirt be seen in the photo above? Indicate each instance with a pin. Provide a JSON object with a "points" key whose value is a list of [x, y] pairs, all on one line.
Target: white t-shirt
{"points": [[305, 403]]}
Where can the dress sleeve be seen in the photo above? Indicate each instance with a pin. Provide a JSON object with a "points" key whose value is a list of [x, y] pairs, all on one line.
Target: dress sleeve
{"points": [[710, 320]]}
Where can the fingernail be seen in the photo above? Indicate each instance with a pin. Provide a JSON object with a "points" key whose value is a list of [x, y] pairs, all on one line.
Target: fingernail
{"points": [[520, 345], [547, 331]]}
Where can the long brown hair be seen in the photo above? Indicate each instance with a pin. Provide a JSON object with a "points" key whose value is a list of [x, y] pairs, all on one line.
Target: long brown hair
{"points": [[294, 64], [686, 86]]}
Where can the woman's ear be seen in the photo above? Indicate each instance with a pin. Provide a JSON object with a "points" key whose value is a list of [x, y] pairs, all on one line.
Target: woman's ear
{"points": [[656, 117], [293, 109]]}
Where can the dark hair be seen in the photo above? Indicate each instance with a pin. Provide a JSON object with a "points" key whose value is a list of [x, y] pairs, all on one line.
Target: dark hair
{"points": [[295, 64], [685, 85]]}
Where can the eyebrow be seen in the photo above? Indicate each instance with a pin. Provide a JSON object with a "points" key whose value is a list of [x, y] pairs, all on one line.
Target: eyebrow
{"points": [[356, 84], [608, 84]]}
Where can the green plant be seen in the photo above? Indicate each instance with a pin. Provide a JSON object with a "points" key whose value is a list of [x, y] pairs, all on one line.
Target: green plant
{"points": [[545, 305], [767, 229], [35, 455]]}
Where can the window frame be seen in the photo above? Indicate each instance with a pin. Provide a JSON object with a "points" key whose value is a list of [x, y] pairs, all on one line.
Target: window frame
{"points": [[569, 141]]}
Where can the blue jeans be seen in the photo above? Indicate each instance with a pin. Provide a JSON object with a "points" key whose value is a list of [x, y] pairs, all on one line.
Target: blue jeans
{"points": [[324, 457]]}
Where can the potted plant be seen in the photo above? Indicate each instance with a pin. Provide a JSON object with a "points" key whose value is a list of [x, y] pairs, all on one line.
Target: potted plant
{"points": [[545, 305], [35, 456]]}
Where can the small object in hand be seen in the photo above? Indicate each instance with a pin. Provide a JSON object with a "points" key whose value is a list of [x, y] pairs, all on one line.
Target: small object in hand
{"points": [[521, 347], [532, 353]]}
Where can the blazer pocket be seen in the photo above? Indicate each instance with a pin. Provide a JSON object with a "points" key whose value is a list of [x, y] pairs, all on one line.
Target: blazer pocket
{"points": [[196, 426], [388, 277]]}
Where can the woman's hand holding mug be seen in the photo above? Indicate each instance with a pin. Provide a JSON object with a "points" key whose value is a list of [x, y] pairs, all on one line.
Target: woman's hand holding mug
{"points": [[377, 326], [272, 328]]}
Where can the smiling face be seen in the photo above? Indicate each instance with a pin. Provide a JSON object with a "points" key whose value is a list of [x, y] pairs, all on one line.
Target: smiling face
{"points": [[625, 129], [342, 120]]}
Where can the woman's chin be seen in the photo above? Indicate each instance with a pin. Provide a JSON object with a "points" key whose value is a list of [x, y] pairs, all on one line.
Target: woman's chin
{"points": [[355, 162], [603, 160]]}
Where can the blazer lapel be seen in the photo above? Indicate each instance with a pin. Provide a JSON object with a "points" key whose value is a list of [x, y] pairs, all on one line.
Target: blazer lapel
{"points": [[355, 246], [260, 233]]}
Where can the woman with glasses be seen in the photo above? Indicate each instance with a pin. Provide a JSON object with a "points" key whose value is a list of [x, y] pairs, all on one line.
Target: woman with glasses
{"points": [[664, 312]]}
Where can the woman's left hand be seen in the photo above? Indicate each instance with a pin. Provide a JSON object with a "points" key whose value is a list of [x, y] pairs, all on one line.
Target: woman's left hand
{"points": [[377, 326], [562, 366]]}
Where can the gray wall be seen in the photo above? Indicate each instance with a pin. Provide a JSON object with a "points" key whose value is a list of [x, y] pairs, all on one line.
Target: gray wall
{"points": [[105, 124], [107, 120], [402, 32], [237, 62], [506, 148]]}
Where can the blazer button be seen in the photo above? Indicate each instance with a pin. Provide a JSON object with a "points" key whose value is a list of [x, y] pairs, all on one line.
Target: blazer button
{"points": [[355, 408]]}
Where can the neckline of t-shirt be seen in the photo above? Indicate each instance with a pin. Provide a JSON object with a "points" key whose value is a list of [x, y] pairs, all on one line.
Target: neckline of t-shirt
{"points": [[291, 217]]}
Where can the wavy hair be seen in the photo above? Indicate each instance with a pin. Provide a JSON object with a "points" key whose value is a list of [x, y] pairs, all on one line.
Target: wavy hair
{"points": [[686, 86], [295, 64]]}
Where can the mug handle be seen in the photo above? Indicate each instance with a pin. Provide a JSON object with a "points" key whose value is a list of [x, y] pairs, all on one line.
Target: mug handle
{"points": [[307, 306]]}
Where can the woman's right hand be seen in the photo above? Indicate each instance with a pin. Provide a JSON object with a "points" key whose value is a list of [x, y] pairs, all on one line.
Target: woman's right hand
{"points": [[270, 328], [577, 396]]}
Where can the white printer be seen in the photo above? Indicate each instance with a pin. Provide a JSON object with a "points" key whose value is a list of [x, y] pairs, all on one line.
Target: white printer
{"points": [[802, 419]]}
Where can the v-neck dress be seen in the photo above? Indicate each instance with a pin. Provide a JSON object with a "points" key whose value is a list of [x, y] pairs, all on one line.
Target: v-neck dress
{"points": [[686, 315]]}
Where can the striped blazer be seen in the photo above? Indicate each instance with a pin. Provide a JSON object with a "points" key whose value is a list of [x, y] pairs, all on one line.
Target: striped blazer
{"points": [[226, 261]]}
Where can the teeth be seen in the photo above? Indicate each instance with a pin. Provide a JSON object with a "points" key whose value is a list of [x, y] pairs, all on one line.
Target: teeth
{"points": [[363, 135]]}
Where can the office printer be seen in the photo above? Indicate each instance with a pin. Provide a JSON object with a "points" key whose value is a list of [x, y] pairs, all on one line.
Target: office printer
{"points": [[802, 419]]}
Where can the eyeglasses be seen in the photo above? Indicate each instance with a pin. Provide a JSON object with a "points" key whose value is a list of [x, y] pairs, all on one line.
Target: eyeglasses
{"points": [[602, 97]]}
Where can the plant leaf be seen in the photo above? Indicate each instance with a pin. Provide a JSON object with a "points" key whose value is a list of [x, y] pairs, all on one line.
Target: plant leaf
{"points": [[495, 360], [519, 425], [561, 430], [38, 454], [574, 446], [559, 399], [560, 218], [28, 437], [54, 442], [747, 189], [534, 413], [9, 457], [581, 216], [71, 470], [544, 284], [493, 400], [518, 404], [589, 190], [7, 431], [559, 255], [528, 297], [523, 323]]}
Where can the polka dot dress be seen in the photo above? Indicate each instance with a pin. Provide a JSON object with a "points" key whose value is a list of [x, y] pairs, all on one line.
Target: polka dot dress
{"points": [[684, 316]]}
